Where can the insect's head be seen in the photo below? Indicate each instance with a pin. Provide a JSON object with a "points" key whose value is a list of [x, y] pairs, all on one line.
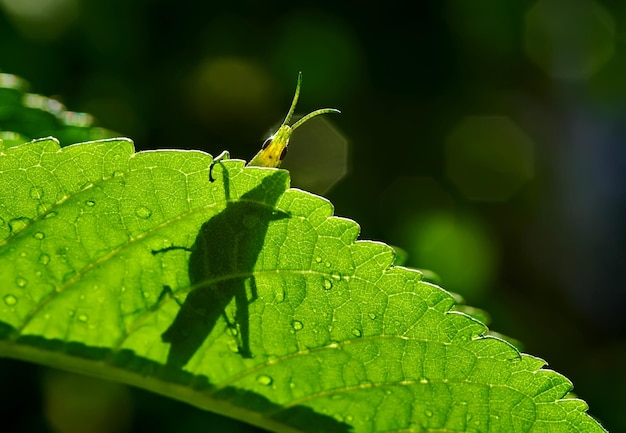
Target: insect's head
{"points": [[274, 149]]}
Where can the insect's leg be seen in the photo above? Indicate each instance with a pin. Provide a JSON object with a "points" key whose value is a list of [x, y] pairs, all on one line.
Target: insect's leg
{"points": [[167, 290], [172, 248], [219, 158], [242, 317], [165, 293]]}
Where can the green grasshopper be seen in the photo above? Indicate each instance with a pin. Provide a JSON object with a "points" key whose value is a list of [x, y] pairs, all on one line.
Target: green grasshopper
{"points": [[224, 253], [274, 149]]}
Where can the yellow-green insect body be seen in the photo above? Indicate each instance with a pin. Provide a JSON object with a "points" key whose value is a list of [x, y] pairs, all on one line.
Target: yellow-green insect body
{"points": [[274, 149]]}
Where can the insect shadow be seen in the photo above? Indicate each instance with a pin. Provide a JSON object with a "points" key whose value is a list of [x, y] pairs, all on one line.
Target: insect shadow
{"points": [[222, 259]]}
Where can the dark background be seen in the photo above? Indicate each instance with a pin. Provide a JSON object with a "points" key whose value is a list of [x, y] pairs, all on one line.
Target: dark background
{"points": [[485, 138]]}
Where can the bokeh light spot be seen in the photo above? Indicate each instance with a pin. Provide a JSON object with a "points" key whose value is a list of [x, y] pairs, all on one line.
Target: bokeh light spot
{"points": [[230, 90], [41, 19], [488, 158], [318, 156], [569, 39], [459, 250]]}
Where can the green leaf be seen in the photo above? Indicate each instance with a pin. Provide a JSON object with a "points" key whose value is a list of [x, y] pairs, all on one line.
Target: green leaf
{"points": [[246, 298], [24, 116]]}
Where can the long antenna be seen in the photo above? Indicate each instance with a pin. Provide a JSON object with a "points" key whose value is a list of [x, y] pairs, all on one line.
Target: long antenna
{"points": [[313, 114], [295, 100]]}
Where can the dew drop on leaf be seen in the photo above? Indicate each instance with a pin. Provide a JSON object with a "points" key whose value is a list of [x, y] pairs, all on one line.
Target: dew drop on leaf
{"points": [[264, 379], [50, 214], [356, 332], [90, 203], [297, 325], [83, 318], [18, 224], [44, 259], [10, 300], [143, 212], [39, 235], [423, 380], [372, 316], [428, 413], [21, 282], [280, 296], [327, 284], [36, 192], [318, 259]]}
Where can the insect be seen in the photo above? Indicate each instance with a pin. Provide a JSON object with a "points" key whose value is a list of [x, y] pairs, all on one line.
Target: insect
{"points": [[274, 149]]}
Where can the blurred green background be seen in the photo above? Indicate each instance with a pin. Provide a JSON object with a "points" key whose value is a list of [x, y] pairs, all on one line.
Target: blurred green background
{"points": [[486, 138]]}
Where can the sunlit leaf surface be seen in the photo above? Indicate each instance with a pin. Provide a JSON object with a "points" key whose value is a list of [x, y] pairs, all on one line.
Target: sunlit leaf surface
{"points": [[246, 298]]}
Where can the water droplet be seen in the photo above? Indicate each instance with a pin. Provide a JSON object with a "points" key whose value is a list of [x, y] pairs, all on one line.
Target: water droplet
{"points": [[36, 192], [318, 259], [264, 379], [83, 318], [234, 332], [21, 282], [49, 215], [388, 392], [327, 284], [10, 300], [356, 332], [23, 254], [18, 224], [39, 235], [349, 418], [338, 417], [292, 385], [336, 276], [280, 296], [372, 316], [423, 380], [90, 203], [143, 212], [328, 265], [297, 325], [428, 413]]}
